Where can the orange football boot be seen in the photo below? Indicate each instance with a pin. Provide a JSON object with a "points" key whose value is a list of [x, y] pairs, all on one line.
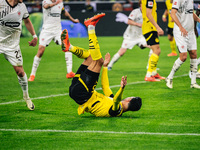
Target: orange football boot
{"points": [[65, 41], [151, 79], [31, 78], [93, 20], [172, 54], [157, 76], [70, 75]]}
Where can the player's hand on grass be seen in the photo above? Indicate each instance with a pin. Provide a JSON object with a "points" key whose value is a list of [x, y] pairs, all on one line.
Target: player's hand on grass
{"points": [[33, 42], [123, 82], [107, 60]]}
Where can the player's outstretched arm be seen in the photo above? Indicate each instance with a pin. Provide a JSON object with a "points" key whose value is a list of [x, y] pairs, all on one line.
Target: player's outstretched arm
{"points": [[123, 82], [70, 17], [104, 77], [118, 96], [30, 28]]}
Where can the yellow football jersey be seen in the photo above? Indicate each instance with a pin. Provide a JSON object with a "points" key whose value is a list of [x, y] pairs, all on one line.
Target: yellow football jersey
{"points": [[147, 26], [98, 105], [169, 8]]}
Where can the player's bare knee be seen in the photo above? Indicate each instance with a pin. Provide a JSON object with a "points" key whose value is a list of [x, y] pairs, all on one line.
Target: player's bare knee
{"points": [[183, 58], [20, 72]]}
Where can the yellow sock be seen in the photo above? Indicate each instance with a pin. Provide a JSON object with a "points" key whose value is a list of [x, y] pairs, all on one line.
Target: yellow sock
{"points": [[80, 52], [105, 82], [199, 71], [173, 45], [153, 60], [94, 45]]}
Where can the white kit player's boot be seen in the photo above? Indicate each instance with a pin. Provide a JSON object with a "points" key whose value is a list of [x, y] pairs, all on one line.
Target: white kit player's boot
{"points": [[169, 83], [29, 103], [195, 85]]}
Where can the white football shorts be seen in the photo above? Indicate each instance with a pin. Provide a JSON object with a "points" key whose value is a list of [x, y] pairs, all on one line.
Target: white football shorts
{"points": [[130, 43], [13, 56], [46, 37], [187, 43]]}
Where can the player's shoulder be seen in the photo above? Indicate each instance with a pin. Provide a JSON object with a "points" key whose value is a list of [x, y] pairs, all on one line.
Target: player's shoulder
{"points": [[22, 5], [46, 1]]}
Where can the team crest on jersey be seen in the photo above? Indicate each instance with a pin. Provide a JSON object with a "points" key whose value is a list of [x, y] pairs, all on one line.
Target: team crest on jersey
{"points": [[182, 46], [157, 40], [19, 13], [150, 3], [175, 3]]}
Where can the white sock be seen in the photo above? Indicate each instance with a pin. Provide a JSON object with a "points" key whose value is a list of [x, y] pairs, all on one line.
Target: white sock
{"points": [[91, 27], [68, 58], [150, 53], [23, 82], [193, 69], [36, 63], [114, 59], [175, 67]]}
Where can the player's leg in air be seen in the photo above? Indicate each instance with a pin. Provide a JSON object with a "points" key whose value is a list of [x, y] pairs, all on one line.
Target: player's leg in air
{"points": [[88, 72], [68, 57]]}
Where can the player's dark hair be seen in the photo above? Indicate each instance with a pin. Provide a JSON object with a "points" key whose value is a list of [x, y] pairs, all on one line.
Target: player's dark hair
{"points": [[135, 104]]}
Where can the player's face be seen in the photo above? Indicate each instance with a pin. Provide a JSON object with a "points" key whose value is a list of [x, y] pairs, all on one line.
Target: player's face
{"points": [[171, 1]]}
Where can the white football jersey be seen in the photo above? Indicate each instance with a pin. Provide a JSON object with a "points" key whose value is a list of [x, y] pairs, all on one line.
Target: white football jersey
{"points": [[184, 14], [52, 16], [132, 31], [11, 24]]}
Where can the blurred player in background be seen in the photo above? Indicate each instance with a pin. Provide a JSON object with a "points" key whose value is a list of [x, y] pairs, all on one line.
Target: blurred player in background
{"points": [[82, 89], [51, 30], [12, 13], [132, 35], [151, 30], [183, 15], [170, 27]]}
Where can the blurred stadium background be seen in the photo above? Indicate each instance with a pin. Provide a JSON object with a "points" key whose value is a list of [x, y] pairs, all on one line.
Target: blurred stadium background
{"points": [[79, 9]]}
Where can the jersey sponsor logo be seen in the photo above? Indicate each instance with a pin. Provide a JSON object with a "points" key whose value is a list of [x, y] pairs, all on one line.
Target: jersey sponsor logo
{"points": [[54, 14], [9, 24], [190, 11], [150, 3]]}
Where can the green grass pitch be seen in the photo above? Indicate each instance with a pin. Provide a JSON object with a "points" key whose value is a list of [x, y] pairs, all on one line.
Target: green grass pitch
{"points": [[168, 119]]}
